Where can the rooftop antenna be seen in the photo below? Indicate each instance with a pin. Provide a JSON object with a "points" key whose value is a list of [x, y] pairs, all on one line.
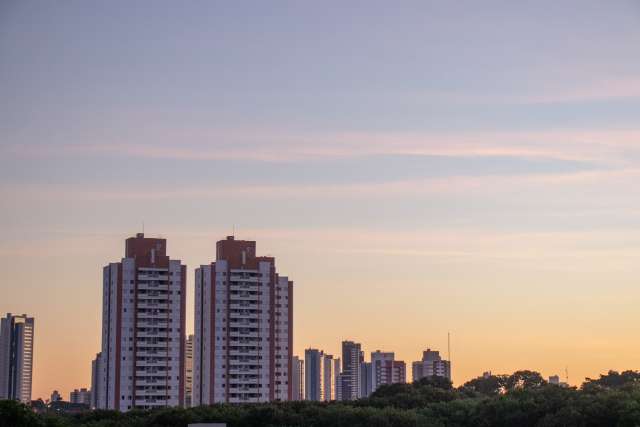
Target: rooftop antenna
{"points": [[566, 374], [143, 226], [233, 231]]}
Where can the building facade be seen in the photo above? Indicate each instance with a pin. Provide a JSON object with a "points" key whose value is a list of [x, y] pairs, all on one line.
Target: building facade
{"points": [[243, 328], [16, 357], [297, 378], [386, 370], [143, 329], [82, 396], [314, 374], [365, 379], [431, 365], [188, 371], [352, 357], [96, 372]]}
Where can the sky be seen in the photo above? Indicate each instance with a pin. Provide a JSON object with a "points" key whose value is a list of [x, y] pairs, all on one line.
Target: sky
{"points": [[416, 168]]}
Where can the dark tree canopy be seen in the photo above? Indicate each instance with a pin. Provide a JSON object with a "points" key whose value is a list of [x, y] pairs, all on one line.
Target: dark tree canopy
{"points": [[521, 399]]}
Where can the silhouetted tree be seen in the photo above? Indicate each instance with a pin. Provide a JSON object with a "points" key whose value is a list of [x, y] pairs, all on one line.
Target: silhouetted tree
{"points": [[524, 380], [488, 386]]}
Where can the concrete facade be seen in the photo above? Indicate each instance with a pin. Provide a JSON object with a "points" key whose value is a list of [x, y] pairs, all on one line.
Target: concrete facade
{"points": [[16, 357], [143, 329], [243, 328]]}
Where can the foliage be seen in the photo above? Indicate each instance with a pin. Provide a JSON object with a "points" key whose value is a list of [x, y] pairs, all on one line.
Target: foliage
{"points": [[520, 399]]}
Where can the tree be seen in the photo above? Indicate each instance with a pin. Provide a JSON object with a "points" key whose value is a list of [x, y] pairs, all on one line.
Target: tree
{"points": [[15, 414], [612, 380], [489, 386], [524, 380]]}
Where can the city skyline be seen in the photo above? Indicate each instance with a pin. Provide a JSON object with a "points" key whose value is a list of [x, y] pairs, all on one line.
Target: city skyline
{"points": [[417, 168]]}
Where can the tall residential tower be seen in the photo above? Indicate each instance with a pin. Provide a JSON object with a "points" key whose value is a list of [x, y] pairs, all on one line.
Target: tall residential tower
{"points": [[352, 357], [243, 328], [16, 357], [143, 329]]}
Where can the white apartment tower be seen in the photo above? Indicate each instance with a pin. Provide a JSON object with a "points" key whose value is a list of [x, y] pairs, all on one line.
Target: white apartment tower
{"points": [[243, 328], [16, 357], [143, 329], [386, 370], [431, 365]]}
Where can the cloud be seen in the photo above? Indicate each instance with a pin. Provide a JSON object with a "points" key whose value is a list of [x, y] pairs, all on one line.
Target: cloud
{"points": [[594, 90], [452, 185], [601, 145]]}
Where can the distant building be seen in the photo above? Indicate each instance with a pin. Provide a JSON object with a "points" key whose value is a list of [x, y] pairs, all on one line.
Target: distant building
{"points": [[243, 328], [365, 379], [337, 375], [16, 357], [55, 397], [297, 378], [96, 373], [431, 365], [555, 380], [352, 357], [314, 374], [143, 328], [81, 396], [188, 371], [330, 377], [386, 370]]}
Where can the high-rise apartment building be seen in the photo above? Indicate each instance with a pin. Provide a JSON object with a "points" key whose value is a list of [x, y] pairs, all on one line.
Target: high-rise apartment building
{"points": [[352, 357], [143, 329], [16, 357], [337, 378], [314, 374], [297, 378], [365, 379], [431, 365], [188, 371], [331, 372], [80, 396], [96, 372], [386, 370], [243, 328]]}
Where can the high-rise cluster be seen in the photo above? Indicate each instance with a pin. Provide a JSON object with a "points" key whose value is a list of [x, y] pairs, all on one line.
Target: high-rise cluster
{"points": [[241, 352], [325, 378], [242, 347]]}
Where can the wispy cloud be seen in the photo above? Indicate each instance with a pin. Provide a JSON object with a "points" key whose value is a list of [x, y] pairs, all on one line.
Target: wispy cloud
{"points": [[585, 91], [495, 184], [605, 146]]}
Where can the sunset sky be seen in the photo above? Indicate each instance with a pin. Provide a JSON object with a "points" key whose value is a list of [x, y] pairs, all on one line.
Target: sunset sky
{"points": [[415, 167]]}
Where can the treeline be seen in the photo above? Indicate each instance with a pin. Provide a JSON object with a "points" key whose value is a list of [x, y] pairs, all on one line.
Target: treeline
{"points": [[521, 399]]}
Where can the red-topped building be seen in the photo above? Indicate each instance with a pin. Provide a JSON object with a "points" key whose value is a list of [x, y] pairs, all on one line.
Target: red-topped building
{"points": [[243, 328], [141, 364]]}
